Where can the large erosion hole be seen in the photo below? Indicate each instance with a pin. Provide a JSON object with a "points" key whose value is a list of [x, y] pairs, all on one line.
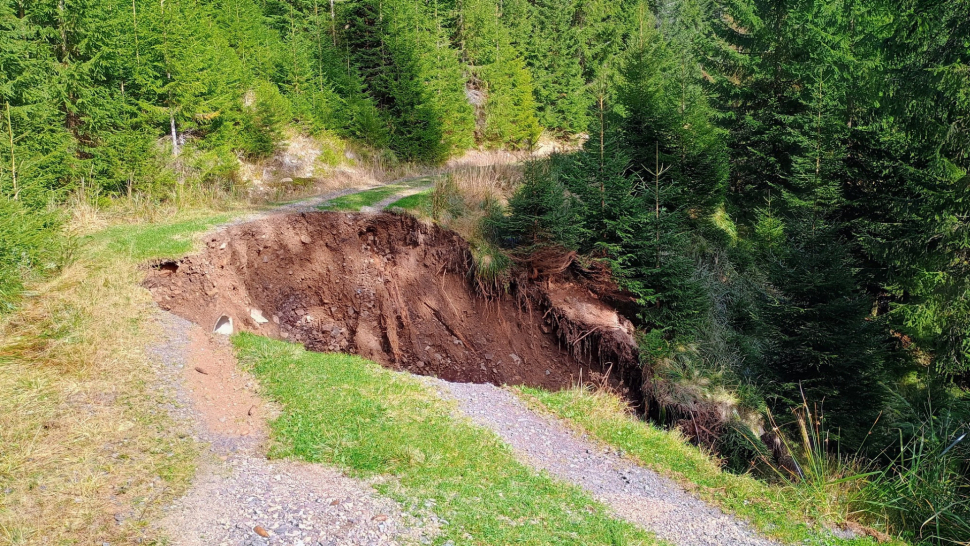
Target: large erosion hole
{"points": [[395, 290]]}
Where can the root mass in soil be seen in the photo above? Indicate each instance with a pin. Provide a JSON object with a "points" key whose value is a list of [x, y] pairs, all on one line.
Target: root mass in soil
{"points": [[395, 290]]}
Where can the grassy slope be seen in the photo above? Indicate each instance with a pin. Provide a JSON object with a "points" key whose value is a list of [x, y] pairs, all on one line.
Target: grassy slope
{"points": [[344, 410], [779, 512], [84, 435], [137, 243]]}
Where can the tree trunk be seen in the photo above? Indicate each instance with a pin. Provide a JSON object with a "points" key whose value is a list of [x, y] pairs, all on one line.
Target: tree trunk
{"points": [[333, 23], [175, 140]]}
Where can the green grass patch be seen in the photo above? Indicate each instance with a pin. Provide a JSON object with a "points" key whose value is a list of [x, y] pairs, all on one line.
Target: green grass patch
{"points": [[347, 411], [775, 511], [367, 198], [419, 203], [141, 242]]}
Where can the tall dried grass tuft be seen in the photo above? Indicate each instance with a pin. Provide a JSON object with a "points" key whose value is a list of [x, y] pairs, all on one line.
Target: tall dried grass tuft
{"points": [[827, 482]]}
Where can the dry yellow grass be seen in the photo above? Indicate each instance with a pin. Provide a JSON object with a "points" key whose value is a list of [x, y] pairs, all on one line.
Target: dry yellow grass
{"points": [[475, 170], [478, 183], [87, 451], [461, 198], [88, 214]]}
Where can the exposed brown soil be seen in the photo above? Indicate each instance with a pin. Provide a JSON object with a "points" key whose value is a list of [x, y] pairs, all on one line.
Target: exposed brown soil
{"points": [[224, 396], [395, 290]]}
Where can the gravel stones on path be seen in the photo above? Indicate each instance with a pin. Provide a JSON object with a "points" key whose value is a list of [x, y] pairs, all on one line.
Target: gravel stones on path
{"points": [[249, 501], [635, 494], [241, 499], [238, 497]]}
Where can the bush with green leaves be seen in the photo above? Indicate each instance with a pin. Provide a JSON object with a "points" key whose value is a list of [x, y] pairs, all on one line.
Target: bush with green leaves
{"points": [[30, 242]]}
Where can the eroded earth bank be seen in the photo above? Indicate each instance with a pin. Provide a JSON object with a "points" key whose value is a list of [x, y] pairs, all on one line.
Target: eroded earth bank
{"points": [[397, 291]]}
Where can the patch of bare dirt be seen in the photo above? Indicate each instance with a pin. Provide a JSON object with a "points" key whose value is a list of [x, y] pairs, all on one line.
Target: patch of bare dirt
{"points": [[394, 290], [223, 395]]}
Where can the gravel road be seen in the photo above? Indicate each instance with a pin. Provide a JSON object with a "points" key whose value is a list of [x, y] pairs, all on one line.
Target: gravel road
{"points": [[635, 494], [250, 501], [310, 204], [239, 498]]}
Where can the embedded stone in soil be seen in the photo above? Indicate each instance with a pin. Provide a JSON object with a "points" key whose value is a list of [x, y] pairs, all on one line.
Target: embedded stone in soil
{"points": [[387, 287]]}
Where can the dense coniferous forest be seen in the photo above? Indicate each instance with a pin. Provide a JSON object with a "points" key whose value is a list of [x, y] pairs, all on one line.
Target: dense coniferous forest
{"points": [[781, 188]]}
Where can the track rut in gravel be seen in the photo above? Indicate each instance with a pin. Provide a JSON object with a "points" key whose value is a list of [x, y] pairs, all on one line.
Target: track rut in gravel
{"points": [[634, 493]]}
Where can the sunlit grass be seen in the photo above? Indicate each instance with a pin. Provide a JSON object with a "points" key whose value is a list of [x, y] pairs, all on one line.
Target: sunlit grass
{"points": [[368, 198], [419, 203], [778, 511], [143, 241], [344, 410]]}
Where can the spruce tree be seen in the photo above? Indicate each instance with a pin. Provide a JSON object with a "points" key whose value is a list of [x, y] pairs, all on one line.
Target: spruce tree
{"points": [[508, 113], [916, 232], [823, 343], [553, 55], [663, 109], [404, 53]]}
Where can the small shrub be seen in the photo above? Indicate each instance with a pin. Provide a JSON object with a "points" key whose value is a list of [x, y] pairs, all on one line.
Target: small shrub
{"points": [[490, 270], [29, 241], [741, 449], [447, 201], [542, 210]]}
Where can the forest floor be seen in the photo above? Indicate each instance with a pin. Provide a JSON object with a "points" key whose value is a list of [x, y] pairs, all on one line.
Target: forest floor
{"points": [[241, 498]]}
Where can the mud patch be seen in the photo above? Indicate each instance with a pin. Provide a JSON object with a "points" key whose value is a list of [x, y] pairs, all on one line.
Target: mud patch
{"points": [[391, 289]]}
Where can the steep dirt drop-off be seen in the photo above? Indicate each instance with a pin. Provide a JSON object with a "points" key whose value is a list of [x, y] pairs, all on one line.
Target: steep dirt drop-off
{"points": [[394, 290]]}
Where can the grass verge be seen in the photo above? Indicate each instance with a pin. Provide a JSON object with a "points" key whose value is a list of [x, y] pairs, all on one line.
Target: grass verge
{"points": [[89, 453], [419, 203], [140, 242], [368, 198], [344, 410], [776, 511]]}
